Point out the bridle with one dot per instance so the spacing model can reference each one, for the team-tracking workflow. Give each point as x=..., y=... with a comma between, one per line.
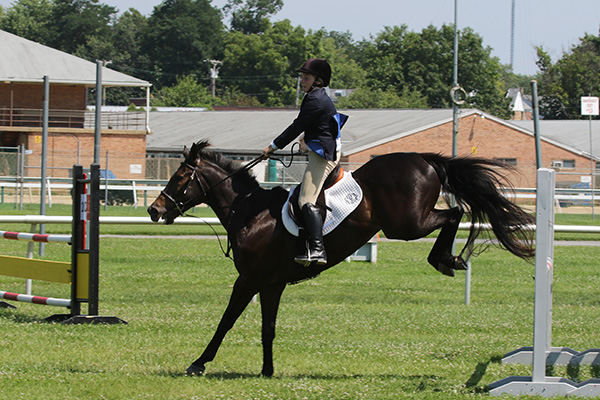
x=181, y=206
x=193, y=177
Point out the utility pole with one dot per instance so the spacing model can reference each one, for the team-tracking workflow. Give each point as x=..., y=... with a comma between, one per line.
x=104, y=64
x=455, y=86
x=512, y=36
x=214, y=74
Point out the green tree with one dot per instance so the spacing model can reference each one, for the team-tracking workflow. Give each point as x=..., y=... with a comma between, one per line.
x=180, y=36
x=127, y=35
x=231, y=96
x=127, y=56
x=74, y=23
x=28, y=18
x=265, y=65
x=252, y=16
x=186, y=92
x=574, y=75
x=423, y=62
x=345, y=71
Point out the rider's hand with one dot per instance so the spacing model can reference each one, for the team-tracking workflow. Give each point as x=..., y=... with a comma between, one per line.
x=303, y=146
x=267, y=152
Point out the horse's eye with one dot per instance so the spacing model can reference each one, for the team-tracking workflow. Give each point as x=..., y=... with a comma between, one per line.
x=177, y=178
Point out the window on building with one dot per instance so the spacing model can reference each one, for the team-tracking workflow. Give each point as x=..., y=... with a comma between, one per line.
x=563, y=164
x=507, y=161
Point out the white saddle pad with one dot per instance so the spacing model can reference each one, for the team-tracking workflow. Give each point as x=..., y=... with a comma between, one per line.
x=342, y=198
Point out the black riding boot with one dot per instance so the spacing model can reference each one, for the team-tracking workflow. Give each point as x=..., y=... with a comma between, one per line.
x=314, y=232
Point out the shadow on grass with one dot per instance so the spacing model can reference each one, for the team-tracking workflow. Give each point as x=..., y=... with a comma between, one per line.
x=420, y=381
x=9, y=315
x=479, y=373
x=210, y=375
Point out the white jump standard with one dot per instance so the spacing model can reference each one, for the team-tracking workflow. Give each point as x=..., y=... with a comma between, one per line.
x=542, y=352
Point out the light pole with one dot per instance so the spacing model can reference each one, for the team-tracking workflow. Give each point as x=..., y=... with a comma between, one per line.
x=214, y=74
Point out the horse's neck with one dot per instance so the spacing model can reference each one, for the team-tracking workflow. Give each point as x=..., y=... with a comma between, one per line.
x=222, y=199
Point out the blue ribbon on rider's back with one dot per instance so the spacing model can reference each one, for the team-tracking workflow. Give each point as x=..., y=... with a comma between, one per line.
x=315, y=145
x=341, y=120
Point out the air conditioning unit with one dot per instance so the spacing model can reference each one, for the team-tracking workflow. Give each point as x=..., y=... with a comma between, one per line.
x=557, y=164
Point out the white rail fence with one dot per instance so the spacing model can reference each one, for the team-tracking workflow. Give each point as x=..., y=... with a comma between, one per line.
x=563, y=197
x=49, y=219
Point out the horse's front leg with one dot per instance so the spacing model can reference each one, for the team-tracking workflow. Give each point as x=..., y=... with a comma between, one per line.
x=243, y=291
x=269, y=303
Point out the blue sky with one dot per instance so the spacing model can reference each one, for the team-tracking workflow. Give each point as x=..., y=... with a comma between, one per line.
x=554, y=24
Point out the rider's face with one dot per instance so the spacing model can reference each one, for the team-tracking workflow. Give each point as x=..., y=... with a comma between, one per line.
x=307, y=81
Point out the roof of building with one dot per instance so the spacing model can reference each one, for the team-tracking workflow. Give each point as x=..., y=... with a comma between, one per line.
x=572, y=133
x=25, y=61
x=251, y=131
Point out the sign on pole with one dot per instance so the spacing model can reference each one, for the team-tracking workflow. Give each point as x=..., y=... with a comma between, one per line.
x=590, y=105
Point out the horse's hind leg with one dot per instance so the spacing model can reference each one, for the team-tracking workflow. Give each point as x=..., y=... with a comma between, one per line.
x=242, y=293
x=441, y=254
x=269, y=302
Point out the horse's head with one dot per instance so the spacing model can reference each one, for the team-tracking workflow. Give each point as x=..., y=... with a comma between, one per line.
x=184, y=190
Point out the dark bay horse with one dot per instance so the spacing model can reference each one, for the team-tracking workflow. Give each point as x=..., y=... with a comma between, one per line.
x=400, y=194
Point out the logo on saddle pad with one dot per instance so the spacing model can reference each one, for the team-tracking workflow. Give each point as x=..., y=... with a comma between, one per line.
x=341, y=199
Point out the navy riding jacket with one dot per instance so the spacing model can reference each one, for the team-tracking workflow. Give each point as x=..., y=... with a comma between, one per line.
x=317, y=120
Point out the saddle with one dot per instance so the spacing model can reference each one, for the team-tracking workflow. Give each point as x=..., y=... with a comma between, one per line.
x=337, y=201
x=294, y=209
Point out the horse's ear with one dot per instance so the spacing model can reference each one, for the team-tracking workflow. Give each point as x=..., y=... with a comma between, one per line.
x=186, y=151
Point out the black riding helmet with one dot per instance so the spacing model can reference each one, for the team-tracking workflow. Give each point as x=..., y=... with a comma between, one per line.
x=319, y=68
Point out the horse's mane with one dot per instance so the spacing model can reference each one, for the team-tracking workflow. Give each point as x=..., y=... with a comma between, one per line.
x=199, y=151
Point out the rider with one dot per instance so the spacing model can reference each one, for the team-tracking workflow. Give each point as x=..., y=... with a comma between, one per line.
x=321, y=135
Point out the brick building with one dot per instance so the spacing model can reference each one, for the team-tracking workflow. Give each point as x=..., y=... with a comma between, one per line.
x=369, y=133
x=71, y=124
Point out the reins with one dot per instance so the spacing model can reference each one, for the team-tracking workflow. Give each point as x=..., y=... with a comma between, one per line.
x=180, y=205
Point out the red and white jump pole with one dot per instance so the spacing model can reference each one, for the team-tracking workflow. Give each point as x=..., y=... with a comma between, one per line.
x=47, y=301
x=36, y=237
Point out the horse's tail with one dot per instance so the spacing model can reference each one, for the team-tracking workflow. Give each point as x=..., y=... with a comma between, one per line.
x=475, y=184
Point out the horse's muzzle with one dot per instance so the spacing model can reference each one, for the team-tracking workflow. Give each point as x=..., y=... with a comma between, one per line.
x=154, y=213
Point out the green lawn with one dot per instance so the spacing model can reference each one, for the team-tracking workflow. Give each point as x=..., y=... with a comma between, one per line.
x=394, y=329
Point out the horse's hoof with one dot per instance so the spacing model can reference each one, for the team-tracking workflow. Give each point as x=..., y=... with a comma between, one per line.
x=460, y=264
x=194, y=370
x=267, y=373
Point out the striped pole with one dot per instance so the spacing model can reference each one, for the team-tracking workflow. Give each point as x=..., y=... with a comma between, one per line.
x=35, y=237
x=48, y=301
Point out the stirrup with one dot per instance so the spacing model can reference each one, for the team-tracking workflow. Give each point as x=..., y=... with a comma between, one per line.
x=306, y=260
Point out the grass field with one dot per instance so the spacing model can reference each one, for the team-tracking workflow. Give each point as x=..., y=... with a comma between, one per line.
x=394, y=329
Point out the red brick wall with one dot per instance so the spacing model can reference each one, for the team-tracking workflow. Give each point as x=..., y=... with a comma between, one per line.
x=73, y=146
x=486, y=138
x=65, y=150
x=31, y=95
